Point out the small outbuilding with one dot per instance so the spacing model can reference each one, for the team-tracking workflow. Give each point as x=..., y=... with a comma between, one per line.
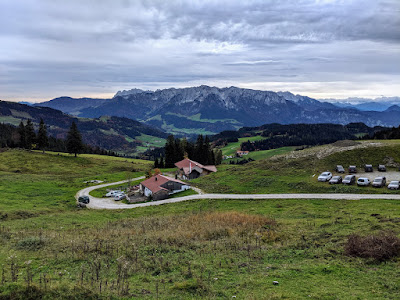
x=189, y=169
x=160, y=187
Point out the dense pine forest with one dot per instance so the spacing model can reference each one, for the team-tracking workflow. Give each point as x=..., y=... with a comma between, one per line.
x=24, y=136
x=177, y=149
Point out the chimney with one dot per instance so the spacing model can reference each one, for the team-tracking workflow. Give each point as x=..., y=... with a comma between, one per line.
x=156, y=178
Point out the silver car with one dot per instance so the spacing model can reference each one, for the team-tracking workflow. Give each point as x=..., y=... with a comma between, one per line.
x=394, y=185
x=379, y=181
x=363, y=181
x=349, y=179
x=336, y=180
x=325, y=176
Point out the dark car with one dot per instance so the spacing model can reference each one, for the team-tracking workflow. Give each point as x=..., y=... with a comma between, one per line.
x=368, y=168
x=336, y=180
x=352, y=169
x=382, y=168
x=84, y=199
x=349, y=179
x=379, y=182
x=339, y=169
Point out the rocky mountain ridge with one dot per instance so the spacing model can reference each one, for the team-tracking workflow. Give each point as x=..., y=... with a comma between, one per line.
x=209, y=110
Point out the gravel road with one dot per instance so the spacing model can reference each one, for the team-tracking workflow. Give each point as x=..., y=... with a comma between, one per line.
x=109, y=203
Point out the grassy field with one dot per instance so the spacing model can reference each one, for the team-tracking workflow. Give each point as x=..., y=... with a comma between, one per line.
x=263, y=154
x=283, y=174
x=49, y=249
x=231, y=148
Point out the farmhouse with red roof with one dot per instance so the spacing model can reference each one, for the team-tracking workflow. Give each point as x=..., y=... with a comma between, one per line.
x=189, y=169
x=160, y=187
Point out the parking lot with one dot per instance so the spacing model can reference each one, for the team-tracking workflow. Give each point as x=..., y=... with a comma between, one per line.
x=390, y=175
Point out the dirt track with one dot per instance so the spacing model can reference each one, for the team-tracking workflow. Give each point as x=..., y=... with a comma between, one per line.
x=107, y=203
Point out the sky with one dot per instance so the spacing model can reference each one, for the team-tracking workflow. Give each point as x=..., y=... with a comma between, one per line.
x=93, y=48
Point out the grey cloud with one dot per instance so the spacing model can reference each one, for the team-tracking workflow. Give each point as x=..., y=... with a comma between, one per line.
x=54, y=44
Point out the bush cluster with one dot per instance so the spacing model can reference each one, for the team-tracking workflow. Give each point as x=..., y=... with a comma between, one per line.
x=378, y=247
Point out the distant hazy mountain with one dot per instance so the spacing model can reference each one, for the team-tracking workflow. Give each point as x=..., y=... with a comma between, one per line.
x=366, y=104
x=210, y=110
x=112, y=133
x=72, y=106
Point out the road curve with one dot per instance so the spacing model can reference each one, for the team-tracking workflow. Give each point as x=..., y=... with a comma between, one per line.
x=109, y=203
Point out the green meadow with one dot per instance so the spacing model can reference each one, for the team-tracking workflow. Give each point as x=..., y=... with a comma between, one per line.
x=218, y=249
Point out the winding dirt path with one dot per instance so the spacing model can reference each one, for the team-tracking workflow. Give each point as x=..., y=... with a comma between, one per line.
x=109, y=203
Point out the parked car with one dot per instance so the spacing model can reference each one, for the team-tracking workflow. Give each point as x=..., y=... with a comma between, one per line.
x=336, y=180
x=382, y=168
x=394, y=185
x=113, y=193
x=84, y=199
x=379, y=181
x=368, y=168
x=352, y=169
x=325, y=176
x=363, y=181
x=349, y=179
x=339, y=169
x=119, y=197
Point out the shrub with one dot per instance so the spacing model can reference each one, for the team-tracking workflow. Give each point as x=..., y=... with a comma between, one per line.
x=378, y=247
x=191, y=286
x=30, y=243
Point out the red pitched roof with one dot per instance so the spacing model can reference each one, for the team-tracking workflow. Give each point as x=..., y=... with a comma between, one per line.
x=188, y=164
x=211, y=168
x=154, y=183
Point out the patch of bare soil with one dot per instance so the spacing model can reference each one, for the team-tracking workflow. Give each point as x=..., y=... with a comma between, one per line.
x=326, y=150
x=345, y=143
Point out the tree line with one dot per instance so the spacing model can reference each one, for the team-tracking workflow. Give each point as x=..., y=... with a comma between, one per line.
x=299, y=134
x=24, y=136
x=177, y=149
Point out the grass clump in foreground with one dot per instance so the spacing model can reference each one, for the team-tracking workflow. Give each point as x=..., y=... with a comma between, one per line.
x=379, y=247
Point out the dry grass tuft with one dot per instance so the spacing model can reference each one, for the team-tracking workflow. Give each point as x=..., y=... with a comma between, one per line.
x=378, y=247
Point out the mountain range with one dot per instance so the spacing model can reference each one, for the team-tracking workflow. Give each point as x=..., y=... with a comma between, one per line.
x=209, y=110
x=108, y=132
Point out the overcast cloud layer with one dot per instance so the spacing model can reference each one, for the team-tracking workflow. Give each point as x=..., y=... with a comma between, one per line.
x=323, y=49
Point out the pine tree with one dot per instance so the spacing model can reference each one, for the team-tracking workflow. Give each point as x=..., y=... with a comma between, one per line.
x=178, y=151
x=161, y=163
x=30, y=134
x=22, y=135
x=42, y=138
x=208, y=153
x=198, y=149
x=218, y=157
x=74, y=140
x=170, y=152
x=156, y=164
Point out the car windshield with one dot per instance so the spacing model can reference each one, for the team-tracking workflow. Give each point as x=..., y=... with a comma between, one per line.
x=394, y=182
x=348, y=177
x=361, y=180
x=336, y=177
x=378, y=180
x=325, y=174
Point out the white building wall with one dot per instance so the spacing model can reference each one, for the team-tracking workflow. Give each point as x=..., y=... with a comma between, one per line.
x=147, y=192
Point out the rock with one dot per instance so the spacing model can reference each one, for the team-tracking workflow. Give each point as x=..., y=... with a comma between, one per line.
x=275, y=282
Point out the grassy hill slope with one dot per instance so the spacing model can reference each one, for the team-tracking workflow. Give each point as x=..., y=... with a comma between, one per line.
x=111, y=133
x=196, y=249
x=297, y=171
